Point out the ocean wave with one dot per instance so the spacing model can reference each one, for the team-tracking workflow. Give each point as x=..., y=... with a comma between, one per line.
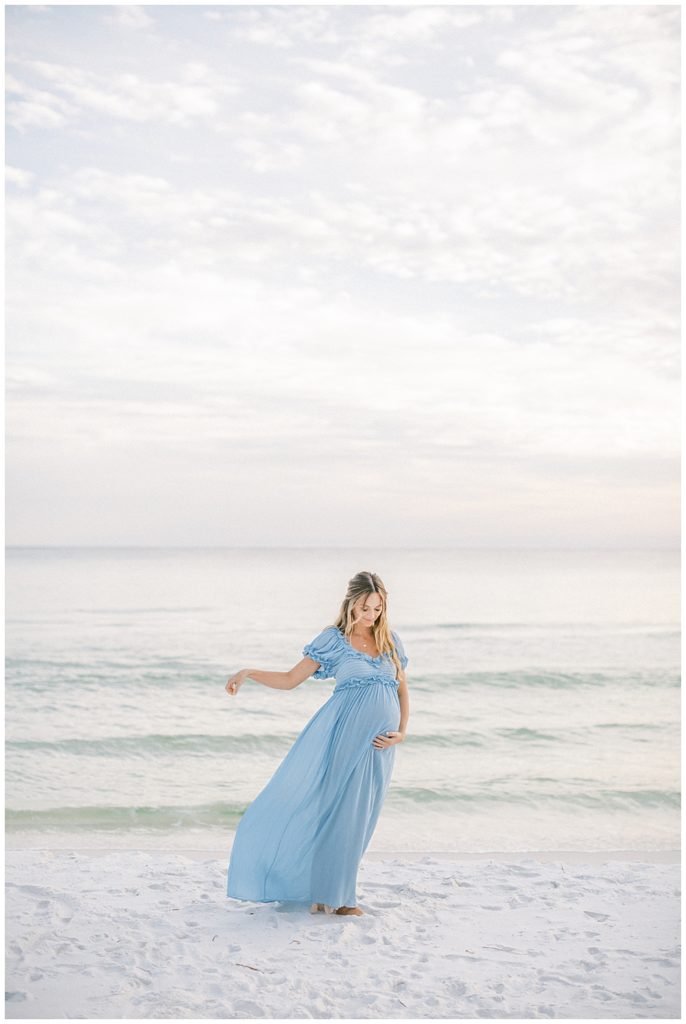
x=222, y=814
x=43, y=676
x=116, y=818
x=116, y=746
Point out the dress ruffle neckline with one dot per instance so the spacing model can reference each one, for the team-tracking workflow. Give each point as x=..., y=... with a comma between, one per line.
x=375, y=661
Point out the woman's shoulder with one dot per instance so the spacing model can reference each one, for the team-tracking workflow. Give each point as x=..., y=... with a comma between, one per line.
x=329, y=638
x=326, y=649
x=330, y=633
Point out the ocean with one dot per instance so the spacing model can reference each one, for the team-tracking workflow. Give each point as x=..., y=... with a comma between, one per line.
x=544, y=694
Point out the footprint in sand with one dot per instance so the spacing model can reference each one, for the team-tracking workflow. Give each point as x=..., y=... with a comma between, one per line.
x=456, y=988
x=247, y=1009
x=15, y=997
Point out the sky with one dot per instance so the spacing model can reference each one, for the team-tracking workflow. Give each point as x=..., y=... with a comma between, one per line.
x=342, y=276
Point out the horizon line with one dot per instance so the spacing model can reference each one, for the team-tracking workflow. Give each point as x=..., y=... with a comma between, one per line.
x=348, y=547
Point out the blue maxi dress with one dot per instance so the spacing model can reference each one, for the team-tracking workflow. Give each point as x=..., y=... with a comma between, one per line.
x=303, y=836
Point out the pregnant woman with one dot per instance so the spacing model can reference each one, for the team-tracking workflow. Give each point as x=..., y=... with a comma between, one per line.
x=303, y=836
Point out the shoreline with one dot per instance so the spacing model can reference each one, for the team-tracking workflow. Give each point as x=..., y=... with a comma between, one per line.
x=501, y=857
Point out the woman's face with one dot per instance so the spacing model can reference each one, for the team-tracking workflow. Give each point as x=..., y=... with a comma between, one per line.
x=366, y=610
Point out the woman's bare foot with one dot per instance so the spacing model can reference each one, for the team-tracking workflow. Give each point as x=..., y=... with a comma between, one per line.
x=350, y=910
x=322, y=906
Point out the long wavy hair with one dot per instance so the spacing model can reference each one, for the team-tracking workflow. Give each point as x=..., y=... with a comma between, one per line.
x=362, y=585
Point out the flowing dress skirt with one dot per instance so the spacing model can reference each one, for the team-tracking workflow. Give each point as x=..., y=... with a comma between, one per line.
x=303, y=836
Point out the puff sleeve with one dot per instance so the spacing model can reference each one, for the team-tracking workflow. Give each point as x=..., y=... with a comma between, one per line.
x=399, y=649
x=325, y=648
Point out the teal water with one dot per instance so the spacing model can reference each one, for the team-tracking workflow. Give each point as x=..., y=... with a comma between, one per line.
x=544, y=689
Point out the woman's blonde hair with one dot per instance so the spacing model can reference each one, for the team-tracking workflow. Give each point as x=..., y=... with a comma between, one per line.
x=362, y=585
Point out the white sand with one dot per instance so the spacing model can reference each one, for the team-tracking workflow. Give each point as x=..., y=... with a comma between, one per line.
x=129, y=934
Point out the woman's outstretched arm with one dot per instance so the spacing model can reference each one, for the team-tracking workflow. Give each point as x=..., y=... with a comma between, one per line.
x=277, y=680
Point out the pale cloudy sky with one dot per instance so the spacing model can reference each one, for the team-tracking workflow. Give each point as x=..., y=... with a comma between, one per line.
x=333, y=275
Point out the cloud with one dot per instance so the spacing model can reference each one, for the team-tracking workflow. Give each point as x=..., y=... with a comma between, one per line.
x=130, y=16
x=19, y=177
x=30, y=107
x=492, y=245
x=536, y=387
x=283, y=27
x=436, y=244
x=75, y=93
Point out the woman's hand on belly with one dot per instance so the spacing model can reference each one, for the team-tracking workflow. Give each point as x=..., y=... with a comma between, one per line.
x=387, y=739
